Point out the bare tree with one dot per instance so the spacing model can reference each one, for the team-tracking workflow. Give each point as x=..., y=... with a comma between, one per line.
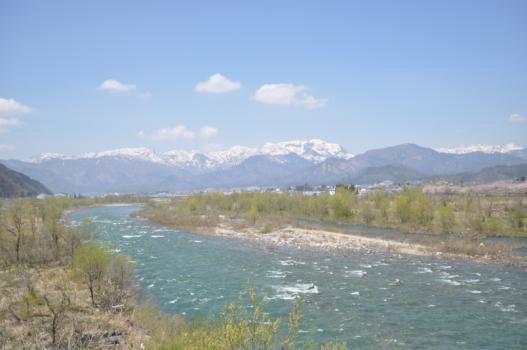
x=14, y=224
x=57, y=310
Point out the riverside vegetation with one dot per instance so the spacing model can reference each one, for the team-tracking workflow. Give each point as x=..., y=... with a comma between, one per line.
x=62, y=289
x=449, y=223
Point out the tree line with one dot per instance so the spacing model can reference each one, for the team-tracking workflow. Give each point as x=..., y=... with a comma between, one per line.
x=411, y=209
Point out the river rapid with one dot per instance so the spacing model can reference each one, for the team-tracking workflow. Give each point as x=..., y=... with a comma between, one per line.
x=438, y=304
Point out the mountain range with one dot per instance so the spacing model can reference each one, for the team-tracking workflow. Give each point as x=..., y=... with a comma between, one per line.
x=274, y=164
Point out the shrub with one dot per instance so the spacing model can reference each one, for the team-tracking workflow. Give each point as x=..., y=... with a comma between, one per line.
x=91, y=262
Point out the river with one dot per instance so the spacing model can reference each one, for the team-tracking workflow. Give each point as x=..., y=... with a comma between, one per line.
x=439, y=304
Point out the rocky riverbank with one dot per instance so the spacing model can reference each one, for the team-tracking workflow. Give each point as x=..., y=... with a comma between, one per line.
x=327, y=240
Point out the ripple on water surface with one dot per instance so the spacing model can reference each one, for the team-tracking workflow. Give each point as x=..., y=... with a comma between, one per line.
x=353, y=297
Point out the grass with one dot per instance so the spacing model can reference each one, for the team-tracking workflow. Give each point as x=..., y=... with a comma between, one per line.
x=26, y=316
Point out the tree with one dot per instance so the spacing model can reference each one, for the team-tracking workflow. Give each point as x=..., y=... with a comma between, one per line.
x=52, y=214
x=122, y=275
x=346, y=187
x=252, y=214
x=57, y=309
x=421, y=208
x=402, y=207
x=445, y=215
x=517, y=216
x=338, y=206
x=91, y=262
x=14, y=224
x=366, y=213
x=82, y=233
x=382, y=203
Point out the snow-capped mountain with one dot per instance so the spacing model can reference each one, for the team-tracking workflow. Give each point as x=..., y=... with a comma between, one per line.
x=232, y=156
x=489, y=149
x=122, y=153
x=144, y=170
x=274, y=164
x=312, y=150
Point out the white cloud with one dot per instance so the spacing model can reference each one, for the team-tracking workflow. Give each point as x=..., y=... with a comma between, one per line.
x=177, y=132
x=287, y=95
x=517, y=118
x=310, y=102
x=6, y=123
x=116, y=86
x=216, y=84
x=208, y=132
x=278, y=94
x=9, y=122
x=6, y=147
x=9, y=107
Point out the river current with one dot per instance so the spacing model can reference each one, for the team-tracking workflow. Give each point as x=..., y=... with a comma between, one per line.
x=353, y=297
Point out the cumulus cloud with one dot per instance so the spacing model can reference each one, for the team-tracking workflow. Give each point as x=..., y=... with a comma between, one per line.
x=287, y=95
x=517, y=118
x=216, y=84
x=9, y=122
x=6, y=147
x=9, y=107
x=208, y=132
x=178, y=132
x=113, y=85
x=6, y=123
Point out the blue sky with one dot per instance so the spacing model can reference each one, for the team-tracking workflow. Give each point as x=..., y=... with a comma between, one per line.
x=363, y=74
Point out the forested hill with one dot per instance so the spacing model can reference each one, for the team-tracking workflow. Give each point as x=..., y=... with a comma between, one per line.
x=15, y=184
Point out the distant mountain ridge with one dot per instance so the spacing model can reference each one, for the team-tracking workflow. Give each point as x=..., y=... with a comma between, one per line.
x=495, y=173
x=15, y=184
x=314, y=150
x=507, y=148
x=274, y=164
x=424, y=160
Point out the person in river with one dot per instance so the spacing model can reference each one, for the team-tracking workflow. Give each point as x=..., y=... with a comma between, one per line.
x=311, y=287
x=397, y=282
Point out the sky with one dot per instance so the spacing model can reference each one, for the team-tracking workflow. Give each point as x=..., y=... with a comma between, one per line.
x=79, y=76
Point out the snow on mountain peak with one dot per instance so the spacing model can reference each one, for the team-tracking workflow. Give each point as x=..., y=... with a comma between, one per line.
x=314, y=150
x=131, y=153
x=233, y=155
x=142, y=153
x=481, y=148
x=180, y=155
x=43, y=157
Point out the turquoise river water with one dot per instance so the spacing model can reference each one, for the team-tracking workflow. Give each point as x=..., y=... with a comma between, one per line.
x=439, y=304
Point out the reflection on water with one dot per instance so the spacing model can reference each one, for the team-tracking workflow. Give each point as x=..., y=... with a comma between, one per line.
x=371, y=300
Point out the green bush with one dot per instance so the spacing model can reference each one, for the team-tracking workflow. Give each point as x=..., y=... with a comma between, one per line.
x=242, y=325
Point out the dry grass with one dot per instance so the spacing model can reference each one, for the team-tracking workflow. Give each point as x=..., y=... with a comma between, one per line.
x=26, y=318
